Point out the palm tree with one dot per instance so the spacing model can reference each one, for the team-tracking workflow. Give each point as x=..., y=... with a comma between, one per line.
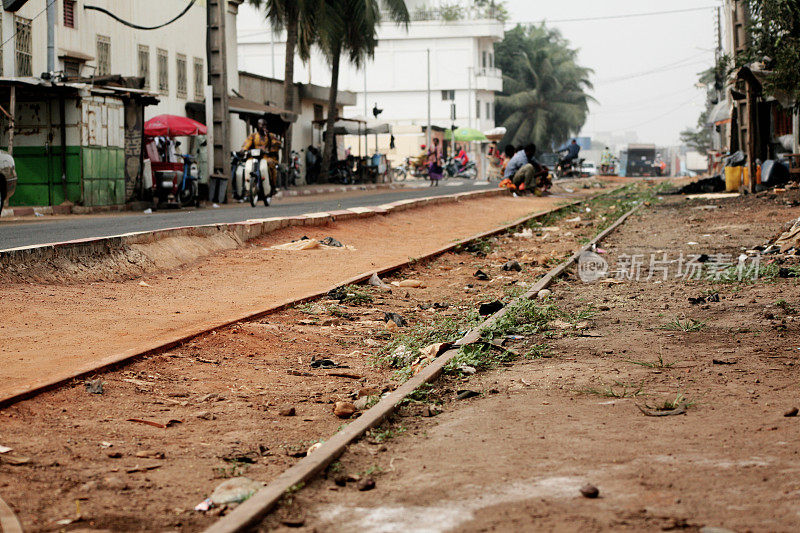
x=298, y=18
x=350, y=26
x=545, y=100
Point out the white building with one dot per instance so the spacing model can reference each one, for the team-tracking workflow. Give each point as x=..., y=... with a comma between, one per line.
x=460, y=43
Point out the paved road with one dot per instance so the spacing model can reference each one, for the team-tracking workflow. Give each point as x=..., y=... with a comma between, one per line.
x=43, y=231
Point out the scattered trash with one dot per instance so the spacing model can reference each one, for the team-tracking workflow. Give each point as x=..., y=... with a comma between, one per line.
x=314, y=447
x=293, y=521
x=344, y=409
x=94, y=386
x=376, y=281
x=148, y=211
x=396, y=318
x=466, y=369
x=791, y=412
x=611, y=281
x=590, y=491
x=14, y=459
x=407, y=283
x=723, y=362
x=527, y=233
x=544, y=294
x=323, y=363
x=144, y=284
x=302, y=244
x=710, y=298
x=560, y=324
x=490, y=308
x=234, y=490
x=679, y=410
x=466, y=393
x=365, y=484
x=215, y=206
x=573, y=220
x=205, y=505
x=512, y=265
x=481, y=275
x=330, y=241
x=147, y=422
x=287, y=410
x=5, y=449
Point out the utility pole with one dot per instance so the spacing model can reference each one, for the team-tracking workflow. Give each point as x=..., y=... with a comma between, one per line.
x=428, y=136
x=469, y=97
x=218, y=79
x=366, y=111
x=51, y=36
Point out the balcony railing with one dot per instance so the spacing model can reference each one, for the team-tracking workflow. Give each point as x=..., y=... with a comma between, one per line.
x=454, y=12
x=489, y=72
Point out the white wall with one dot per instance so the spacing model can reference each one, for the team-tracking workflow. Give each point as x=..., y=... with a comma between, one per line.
x=185, y=36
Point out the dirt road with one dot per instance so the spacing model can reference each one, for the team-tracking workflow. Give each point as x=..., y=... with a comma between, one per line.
x=49, y=331
x=515, y=458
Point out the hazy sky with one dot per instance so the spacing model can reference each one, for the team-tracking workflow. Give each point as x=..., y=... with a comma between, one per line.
x=676, y=46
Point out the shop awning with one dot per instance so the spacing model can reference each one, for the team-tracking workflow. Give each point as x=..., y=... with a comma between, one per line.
x=251, y=109
x=719, y=114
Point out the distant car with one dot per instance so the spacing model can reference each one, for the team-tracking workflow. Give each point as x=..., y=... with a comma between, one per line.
x=8, y=178
x=588, y=169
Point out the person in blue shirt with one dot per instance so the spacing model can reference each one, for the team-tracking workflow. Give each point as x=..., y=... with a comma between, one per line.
x=526, y=173
x=572, y=151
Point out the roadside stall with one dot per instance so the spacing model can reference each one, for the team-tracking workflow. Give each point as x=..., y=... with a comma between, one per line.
x=169, y=176
x=349, y=168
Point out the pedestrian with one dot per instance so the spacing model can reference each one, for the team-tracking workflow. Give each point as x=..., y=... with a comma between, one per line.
x=508, y=153
x=311, y=160
x=435, y=163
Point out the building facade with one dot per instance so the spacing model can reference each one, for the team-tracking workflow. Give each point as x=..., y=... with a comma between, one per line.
x=457, y=42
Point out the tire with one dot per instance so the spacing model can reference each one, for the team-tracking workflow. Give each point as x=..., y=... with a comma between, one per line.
x=253, y=190
x=188, y=195
x=399, y=174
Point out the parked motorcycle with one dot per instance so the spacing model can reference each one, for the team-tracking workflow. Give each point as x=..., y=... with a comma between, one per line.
x=257, y=173
x=239, y=184
x=454, y=169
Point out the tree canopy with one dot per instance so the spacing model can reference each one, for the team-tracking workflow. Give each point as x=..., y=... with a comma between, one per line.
x=545, y=99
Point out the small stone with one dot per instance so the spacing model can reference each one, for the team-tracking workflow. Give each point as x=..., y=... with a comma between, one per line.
x=205, y=415
x=512, y=265
x=340, y=480
x=344, y=409
x=590, y=491
x=114, y=455
x=543, y=294
x=366, y=483
x=88, y=486
x=114, y=483
x=287, y=410
x=791, y=412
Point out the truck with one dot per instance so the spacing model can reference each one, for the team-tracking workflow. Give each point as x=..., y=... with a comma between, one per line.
x=638, y=160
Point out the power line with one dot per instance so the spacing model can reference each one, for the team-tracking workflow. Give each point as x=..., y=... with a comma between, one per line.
x=625, y=16
x=34, y=18
x=654, y=71
x=658, y=117
x=137, y=26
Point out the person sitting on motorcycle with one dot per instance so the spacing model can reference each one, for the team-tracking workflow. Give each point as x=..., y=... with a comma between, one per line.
x=462, y=157
x=572, y=152
x=269, y=145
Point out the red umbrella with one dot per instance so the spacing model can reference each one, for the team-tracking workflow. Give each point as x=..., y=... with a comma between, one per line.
x=172, y=126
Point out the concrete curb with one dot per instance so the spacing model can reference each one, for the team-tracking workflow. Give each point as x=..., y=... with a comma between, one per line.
x=249, y=229
x=249, y=514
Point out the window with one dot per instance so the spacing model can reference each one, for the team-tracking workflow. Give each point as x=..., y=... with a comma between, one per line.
x=144, y=64
x=24, y=56
x=163, y=71
x=199, y=79
x=488, y=110
x=103, y=55
x=318, y=112
x=69, y=13
x=477, y=109
x=72, y=68
x=485, y=59
x=180, y=65
x=448, y=95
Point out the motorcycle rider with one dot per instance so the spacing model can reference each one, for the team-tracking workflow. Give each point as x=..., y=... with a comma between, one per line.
x=572, y=152
x=270, y=145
